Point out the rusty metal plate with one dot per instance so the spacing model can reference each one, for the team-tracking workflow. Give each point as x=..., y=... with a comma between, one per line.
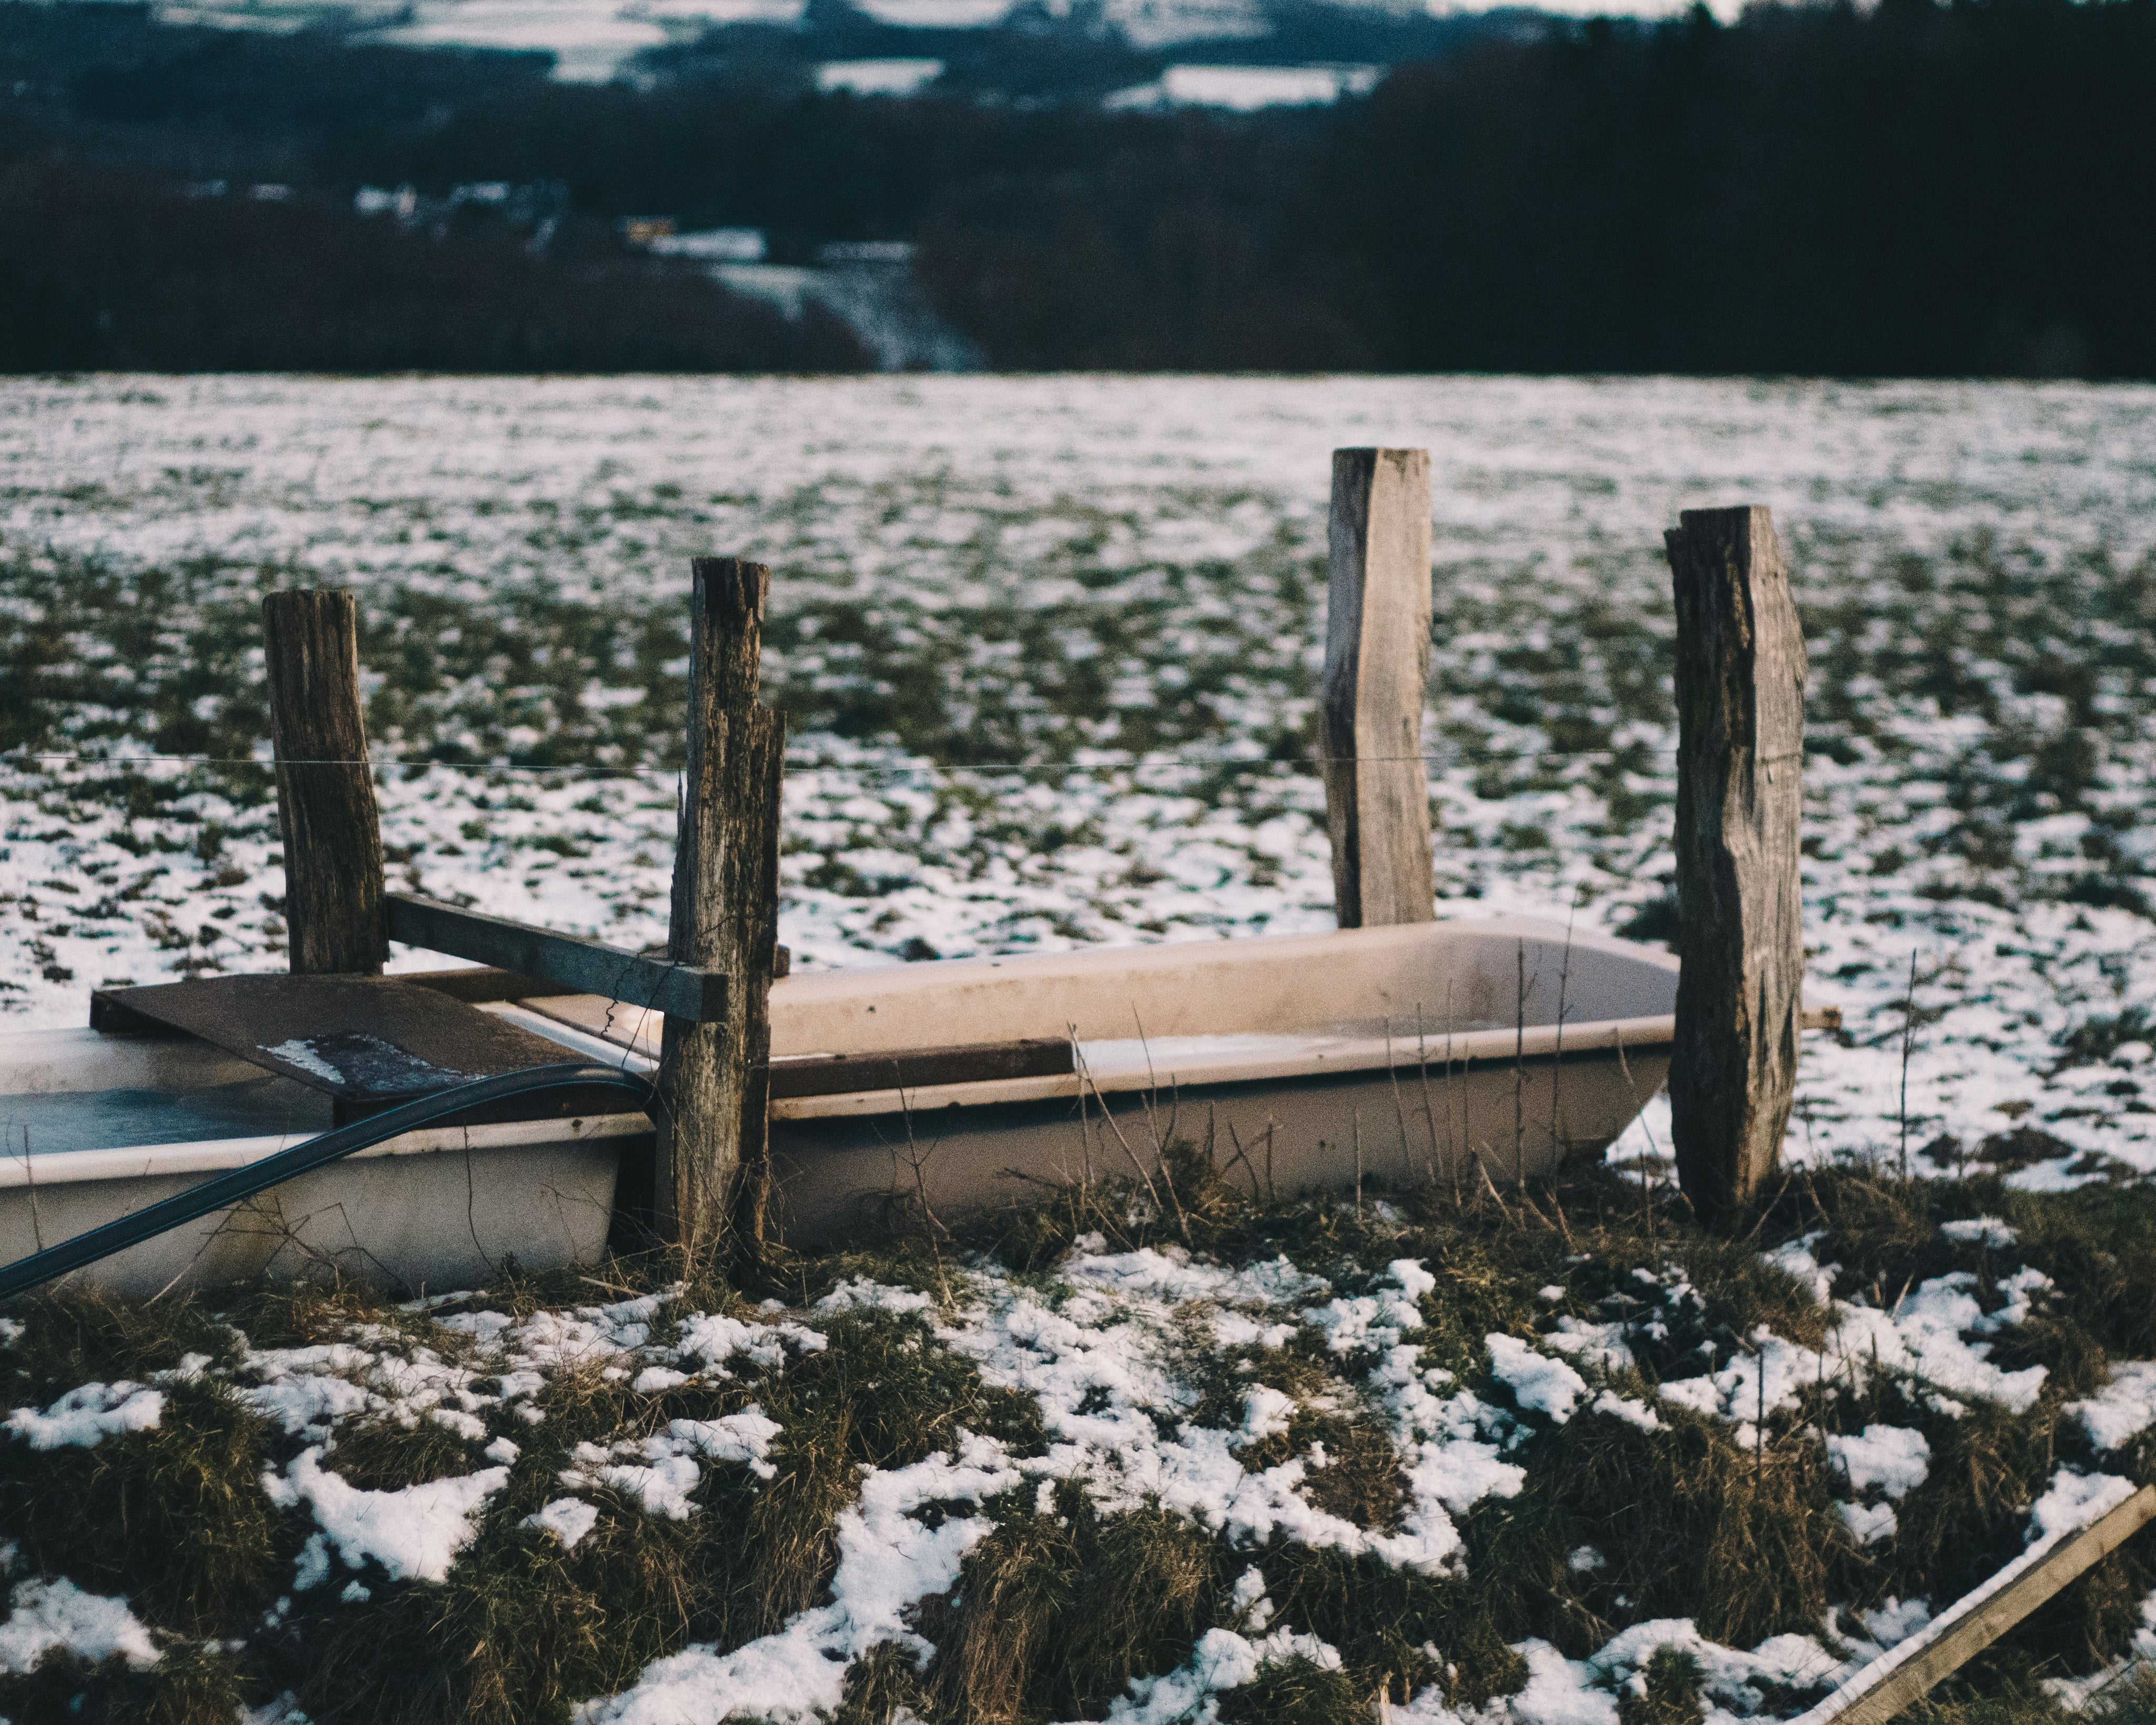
x=370, y=1042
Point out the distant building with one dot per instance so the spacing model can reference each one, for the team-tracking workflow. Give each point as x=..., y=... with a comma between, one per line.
x=713, y=245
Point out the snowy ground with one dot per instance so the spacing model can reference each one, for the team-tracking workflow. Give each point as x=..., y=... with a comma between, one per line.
x=1049, y=647
x=1152, y=1379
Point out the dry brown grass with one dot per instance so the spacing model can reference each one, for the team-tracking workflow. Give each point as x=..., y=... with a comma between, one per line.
x=1060, y=1608
x=1055, y=1613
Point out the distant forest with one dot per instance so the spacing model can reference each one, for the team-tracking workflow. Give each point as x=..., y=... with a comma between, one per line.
x=1913, y=188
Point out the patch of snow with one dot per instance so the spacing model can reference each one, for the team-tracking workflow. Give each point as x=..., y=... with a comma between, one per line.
x=661, y=1482
x=1796, y=1258
x=1894, y=1622
x=1623, y=1407
x=1894, y=1458
x=297, y=1051
x=746, y=1436
x=1375, y=1321
x=89, y=1416
x=717, y=1339
x=311, y=1567
x=414, y=1533
x=1731, y=1681
x=1601, y=1345
x=1222, y=1660
x=1980, y=1230
x=1539, y=1384
x=2124, y=1408
x=2072, y=1501
x=49, y=1616
x=1267, y=1413
x=568, y=1519
x=861, y=1292
x=1870, y=1523
x=1560, y=1690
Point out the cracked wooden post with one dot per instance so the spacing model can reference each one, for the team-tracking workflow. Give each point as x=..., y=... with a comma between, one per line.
x=325, y=808
x=1740, y=689
x=714, y=1079
x=1377, y=666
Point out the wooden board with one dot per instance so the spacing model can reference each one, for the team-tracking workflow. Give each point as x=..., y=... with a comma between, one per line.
x=574, y=965
x=368, y=1042
x=920, y=1068
x=1903, y=1675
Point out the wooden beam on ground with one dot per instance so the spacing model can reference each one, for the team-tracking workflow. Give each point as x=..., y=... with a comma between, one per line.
x=714, y=1077
x=1377, y=666
x=325, y=809
x=573, y=966
x=1740, y=689
x=1904, y=1675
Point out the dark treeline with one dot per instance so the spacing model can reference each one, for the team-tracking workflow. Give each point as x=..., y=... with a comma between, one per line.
x=1913, y=188
x=103, y=272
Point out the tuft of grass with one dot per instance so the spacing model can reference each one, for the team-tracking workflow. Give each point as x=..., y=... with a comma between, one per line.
x=173, y=1517
x=2094, y=1039
x=90, y=1336
x=521, y=1630
x=191, y=1684
x=1380, y=1618
x=1297, y=1691
x=381, y=1454
x=1055, y=1614
x=1667, y=1691
x=1749, y=1545
x=1362, y=1481
x=883, y=1688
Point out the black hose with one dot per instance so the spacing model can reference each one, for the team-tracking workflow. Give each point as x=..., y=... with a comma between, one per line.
x=243, y=1183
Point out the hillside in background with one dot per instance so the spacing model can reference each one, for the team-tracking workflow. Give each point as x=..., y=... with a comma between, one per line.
x=1914, y=189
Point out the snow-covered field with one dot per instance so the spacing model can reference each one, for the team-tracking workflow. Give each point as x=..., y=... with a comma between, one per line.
x=1049, y=648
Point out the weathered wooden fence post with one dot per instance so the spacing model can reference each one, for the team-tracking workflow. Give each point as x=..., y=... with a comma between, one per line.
x=1740, y=684
x=325, y=809
x=1377, y=666
x=714, y=1079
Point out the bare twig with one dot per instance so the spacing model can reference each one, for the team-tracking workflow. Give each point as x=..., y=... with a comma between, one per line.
x=1908, y=1038
x=1520, y=1064
x=1086, y=1077
x=1490, y=1188
x=1399, y=1107
x=1557, y=1065
x=1243, y=1155
x=30, y=1185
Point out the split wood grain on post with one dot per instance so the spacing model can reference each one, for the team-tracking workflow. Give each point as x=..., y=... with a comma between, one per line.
x=713, y=1177
x=1377, y=667
x=1740, y=681
x=325, y=807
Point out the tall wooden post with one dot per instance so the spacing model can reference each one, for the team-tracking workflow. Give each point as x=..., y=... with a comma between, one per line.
x=1377, y=666
x=1740, y=687
x=714, y=1079
x=325, y=808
